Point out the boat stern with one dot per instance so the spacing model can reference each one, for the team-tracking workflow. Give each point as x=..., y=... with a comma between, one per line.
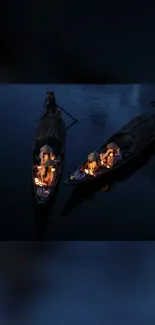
x=43, y=194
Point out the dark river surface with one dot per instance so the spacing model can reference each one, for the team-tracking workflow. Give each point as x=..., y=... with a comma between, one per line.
x=127, y=211
x=77, y=282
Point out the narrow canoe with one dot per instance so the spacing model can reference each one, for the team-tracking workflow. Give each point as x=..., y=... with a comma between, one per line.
x=132, y=139
x=51, y=132
x=88, y=191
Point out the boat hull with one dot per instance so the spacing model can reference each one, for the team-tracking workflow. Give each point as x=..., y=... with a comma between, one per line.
x=139, y=133
x=50, y=127
x=88, y=190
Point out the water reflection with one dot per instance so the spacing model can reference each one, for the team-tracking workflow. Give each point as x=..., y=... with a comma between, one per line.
x=42, y=213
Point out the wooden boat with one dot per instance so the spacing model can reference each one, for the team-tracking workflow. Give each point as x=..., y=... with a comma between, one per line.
x=132, y=139
x=51, y=132
x=82, y=193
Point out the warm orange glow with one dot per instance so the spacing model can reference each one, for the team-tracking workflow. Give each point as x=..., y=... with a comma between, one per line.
x=52, y=157
x=91, y=168
x=49, y=178
x=40, y=183
x=90, y=172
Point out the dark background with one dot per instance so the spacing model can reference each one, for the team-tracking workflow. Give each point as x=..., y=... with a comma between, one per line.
x=101, y=42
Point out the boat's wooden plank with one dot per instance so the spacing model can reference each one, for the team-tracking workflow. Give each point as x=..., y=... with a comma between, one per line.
x=51, y=126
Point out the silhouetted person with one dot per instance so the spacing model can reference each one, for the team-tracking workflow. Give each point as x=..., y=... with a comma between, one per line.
x=50, y=98
x=51, y=105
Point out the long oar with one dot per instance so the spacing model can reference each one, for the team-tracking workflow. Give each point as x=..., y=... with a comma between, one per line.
x=73, y=118
x=62, y=109
x=69, y=126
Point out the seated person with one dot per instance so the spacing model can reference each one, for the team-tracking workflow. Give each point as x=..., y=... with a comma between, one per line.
x=49, y=176
x=46, y=157
x=93, y=166
x=43, y=157
x=93, y=162
x=115, y=150
x=41, y=174
x=104, y=156
x=110, y=160
x=113, y=158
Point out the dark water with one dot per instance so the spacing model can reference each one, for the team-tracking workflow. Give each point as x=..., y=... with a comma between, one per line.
x=126, y=210
x=66, y=283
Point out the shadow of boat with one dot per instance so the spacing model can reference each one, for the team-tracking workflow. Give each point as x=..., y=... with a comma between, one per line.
x=42, y=213
x=88, y=191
